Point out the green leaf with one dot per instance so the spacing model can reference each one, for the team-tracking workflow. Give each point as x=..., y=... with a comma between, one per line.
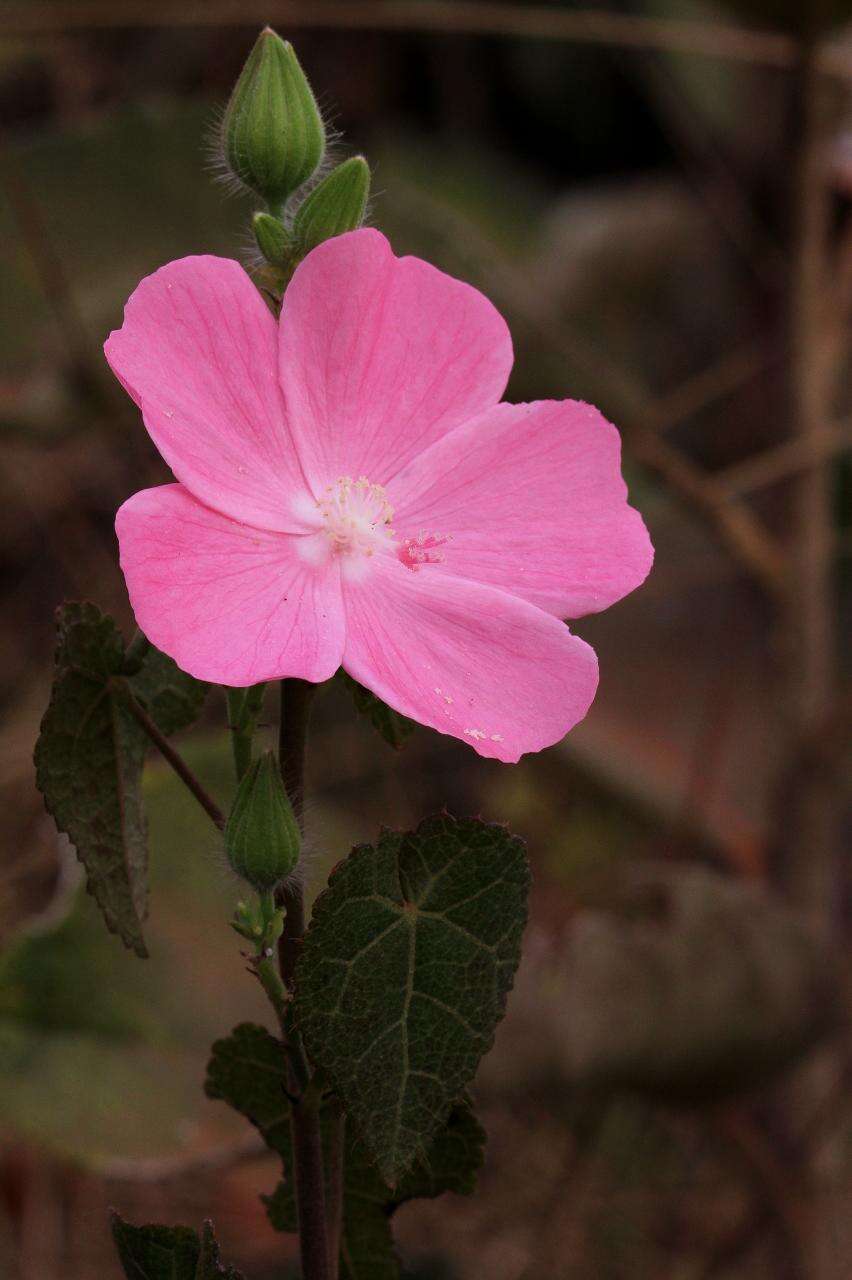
x=394, y=728
x=155, y=1253
x=90, y=754
x=172, y=698
x=168, y=1253
x=247, y=1070
x=209, y=1267
x=404, y=972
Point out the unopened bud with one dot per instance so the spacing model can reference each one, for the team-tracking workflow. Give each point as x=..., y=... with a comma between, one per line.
x=273, y=134
x=272, y=239
x=336, y=205
x=262, y=838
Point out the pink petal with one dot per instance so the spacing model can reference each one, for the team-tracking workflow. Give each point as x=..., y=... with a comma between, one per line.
x=532, y=499
x=382, y=355
x=466, y=659
x=198, y=353
x=230, y=603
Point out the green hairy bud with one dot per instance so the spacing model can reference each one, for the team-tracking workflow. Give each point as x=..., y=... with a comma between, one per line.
x=273, y=134
x=336, y=205
x=262, y=838
x=272, y=239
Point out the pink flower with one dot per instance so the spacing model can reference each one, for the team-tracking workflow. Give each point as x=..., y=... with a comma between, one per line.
x=351, y=492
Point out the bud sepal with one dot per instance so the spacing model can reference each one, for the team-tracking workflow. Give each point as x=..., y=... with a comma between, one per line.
x=272, y=239
x=336, y=205
x=262, y=837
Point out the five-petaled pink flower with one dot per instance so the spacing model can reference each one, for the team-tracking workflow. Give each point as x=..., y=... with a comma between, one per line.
x=350, y=492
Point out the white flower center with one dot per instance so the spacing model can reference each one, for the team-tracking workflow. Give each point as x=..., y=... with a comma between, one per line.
x=356, y=517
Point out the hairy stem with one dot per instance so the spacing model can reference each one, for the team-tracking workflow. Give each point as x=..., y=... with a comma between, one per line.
x=176, y=761
x=270, y=979
x=296, y=698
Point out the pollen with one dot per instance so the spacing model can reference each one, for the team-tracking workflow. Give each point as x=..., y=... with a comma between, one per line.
x=357, y=517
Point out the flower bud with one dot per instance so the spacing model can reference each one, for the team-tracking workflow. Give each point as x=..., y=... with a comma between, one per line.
x=272, y=239
x=336, y=205
x=262, y=838
x=273, y=134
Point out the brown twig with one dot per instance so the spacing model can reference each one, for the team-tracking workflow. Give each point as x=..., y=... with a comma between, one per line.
x=721, y=378
x=783, y=461
x=776, y=1187
x=50, y=269
x=533, y=22
x=811, y=389
x=181, y=768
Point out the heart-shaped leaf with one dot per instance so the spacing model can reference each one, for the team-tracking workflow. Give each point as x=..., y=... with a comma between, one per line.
x=404, y=973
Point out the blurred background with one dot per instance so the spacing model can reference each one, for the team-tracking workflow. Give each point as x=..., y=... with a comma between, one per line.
x=657, y=196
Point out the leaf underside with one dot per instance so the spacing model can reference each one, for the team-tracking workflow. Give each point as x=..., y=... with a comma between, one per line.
x=90, y=754
x=247, y=1070
x=404, y=973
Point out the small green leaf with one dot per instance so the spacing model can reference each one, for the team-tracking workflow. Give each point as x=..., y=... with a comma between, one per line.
x=336, y=205
x=272, y=238
x=90, y=754
x=404, y=973
x=394, y=728
x=247, y=1070
x=172, y=698
x=153, y=1252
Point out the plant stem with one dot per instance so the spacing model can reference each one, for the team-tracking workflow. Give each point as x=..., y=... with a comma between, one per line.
x=244, y=707
x=310, y=1188
x=334, y=1183
x=168, y=752
x=296, y=698
x=270, y=979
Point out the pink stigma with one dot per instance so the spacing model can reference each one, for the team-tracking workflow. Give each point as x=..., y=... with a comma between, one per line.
x=415, y=552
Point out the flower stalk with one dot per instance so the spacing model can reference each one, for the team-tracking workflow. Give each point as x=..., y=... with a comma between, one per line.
x=296, y=699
